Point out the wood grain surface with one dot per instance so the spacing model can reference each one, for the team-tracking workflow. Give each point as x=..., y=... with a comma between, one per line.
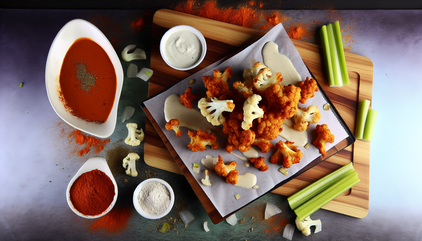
x=226, y=39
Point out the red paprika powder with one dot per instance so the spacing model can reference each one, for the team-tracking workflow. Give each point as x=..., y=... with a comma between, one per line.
x=92, y=192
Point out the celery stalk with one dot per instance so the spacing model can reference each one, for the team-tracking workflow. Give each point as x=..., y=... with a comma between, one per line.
x=318, y=186
x=327, y=54
x=363, y=108
x=335, y=190
x=369, y=125
x=340, y=51
x=333, y=52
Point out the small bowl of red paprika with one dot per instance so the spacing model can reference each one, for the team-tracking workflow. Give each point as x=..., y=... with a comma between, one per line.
x=92, y=192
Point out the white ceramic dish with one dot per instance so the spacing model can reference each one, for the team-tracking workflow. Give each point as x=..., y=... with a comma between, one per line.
x=138, y=206
x=93, y=163
x=64, y=39
x=180, y=28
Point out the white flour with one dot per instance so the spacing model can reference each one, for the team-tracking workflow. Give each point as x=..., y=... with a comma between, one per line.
x=154, y=198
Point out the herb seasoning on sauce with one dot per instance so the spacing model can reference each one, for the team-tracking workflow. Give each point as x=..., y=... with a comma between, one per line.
x=88, y=81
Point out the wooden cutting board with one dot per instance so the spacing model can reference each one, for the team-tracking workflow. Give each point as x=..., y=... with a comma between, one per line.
x=225, y=39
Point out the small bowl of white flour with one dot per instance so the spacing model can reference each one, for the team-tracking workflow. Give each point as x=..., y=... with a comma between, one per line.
x=153, y=198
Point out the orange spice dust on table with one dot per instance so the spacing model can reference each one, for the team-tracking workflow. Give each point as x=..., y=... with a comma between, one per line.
x=113, y=222
x=88, y=141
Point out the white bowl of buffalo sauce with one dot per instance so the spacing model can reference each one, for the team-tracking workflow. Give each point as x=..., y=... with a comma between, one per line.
x=183, y=47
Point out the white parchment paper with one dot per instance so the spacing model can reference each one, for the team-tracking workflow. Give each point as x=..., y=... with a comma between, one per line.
x=221, y=193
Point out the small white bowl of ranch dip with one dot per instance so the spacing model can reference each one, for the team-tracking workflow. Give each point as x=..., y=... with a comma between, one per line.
x=183, y=47
x=153, y=198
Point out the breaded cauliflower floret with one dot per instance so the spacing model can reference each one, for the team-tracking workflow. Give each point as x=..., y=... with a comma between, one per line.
x=213, y=109
x=187, y=97
x=324, y=136
x=237, y=137
x=265, y=79
x=217, y=84
x=284, y=99
x=270, y=125
x=263, y=144
x=242, y=89
x=259, y=163
x=251, y=111
x=305, y=116
x=290, y=154
x=173, y=124
x=224, y=169
x=199, y=139
x=232, y=177
x=308, y=87
x=250, y=74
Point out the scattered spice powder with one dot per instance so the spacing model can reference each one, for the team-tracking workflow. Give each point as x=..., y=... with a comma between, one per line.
x=137, y=24
x=113, y=222
x=88, y=141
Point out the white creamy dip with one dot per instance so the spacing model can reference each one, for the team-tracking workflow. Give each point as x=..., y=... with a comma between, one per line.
x=183, y=48
x=299, y=138
x=278, y=62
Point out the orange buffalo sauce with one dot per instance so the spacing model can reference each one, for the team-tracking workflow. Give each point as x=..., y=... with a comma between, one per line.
x=88, y=81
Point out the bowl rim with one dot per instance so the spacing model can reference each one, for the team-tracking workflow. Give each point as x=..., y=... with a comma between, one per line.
x=192, y=30
x=93, y=163
x=67, y=35
x=138, y=207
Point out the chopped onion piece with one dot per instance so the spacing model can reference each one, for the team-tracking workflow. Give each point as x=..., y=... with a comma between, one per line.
x=288, y=231
x=132, y=70
x=137, y=54
x=196, y=168
x=326, y=106
x=307, y=146
x=127, y=113
x=271, y=210
x=232, y=220
x=247, y=164
x=237, y=196
x=255, y=187
x=284, y=171
x=186, y=216
x=145, y=74
x=206, y=226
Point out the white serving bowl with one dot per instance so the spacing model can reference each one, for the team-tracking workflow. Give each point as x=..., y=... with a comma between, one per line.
x=70, y=32
x=193, y=30
x=93, y=163
x=138, y=206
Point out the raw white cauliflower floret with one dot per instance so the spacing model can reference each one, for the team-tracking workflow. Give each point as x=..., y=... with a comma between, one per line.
x=134, y=136
x=251, y=111
x=129, y=164
x=213, y=109
x=265, y=78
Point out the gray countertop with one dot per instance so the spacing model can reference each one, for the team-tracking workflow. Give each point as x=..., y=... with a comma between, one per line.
x=38, y=158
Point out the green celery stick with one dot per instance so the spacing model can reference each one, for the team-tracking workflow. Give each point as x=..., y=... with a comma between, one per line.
x=363, y=108
x=318, y=186
x=335, y=190
x=334, y=56
x=327, y=54
x=369, y=125
x=340, y=52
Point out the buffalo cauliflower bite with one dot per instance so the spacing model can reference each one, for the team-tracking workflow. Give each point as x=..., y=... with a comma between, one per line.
x=251, y=111
x=213, y=109
x=237, y=137
x=134, y=136
x=223, y=169
x=242, y=89
x=308, y=87
x=269, y=126
x=250, y=74
x=232, y=177
x=187, y=97
x=287, y=154
x=217, y=84
x=264, y=79
x=324, y=136
x=305, y=116
x=130, y=165
x=259, y=163
x=283, y=99
x=199, y=139
x=263, y=144
x=173, y=124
